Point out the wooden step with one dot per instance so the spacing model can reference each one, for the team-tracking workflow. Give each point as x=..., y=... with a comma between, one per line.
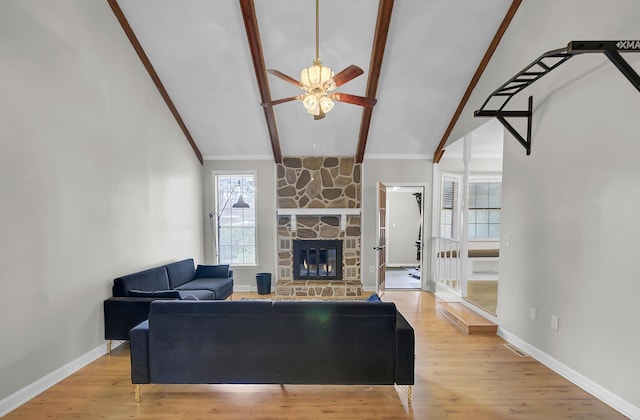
x=466, y=320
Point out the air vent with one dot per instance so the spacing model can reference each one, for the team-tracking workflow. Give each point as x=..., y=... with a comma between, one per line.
x=516, y=350
x=285, y=244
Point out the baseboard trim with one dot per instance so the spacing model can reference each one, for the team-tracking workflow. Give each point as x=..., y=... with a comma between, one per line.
x=604, y=395
x=243, y=288
x=32, y=390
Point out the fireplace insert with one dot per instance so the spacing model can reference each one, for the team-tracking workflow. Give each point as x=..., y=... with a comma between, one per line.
x=317, y=259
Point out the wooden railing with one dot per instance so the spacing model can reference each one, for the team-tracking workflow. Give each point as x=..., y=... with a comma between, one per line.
x=446, y=264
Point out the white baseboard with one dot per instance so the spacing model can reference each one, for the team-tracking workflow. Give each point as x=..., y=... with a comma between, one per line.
x=243, y=288
x=30, y=391
x=604, y=395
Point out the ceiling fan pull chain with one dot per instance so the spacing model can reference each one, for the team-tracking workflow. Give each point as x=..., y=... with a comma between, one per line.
x=318, y=31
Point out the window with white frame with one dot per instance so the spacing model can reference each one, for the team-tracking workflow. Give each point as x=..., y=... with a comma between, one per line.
x=235, y=204
x=484, y=209
x=449, y=208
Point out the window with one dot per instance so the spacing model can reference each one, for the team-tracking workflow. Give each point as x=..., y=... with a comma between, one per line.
x=235, y=203
x=484, y=209
x=448, y=212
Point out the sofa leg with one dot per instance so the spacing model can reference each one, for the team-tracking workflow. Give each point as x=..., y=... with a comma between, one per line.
x=137, y=391
x=109, y=346
x=409, y=390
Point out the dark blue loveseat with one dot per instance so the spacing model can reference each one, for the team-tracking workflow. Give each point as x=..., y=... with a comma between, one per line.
x=180, y=280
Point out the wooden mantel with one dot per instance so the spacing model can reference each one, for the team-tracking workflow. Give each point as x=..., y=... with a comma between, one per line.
x=343, y=213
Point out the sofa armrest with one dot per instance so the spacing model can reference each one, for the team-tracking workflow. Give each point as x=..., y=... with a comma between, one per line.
x=405, y=351
x=123, y=313
x=139, y=339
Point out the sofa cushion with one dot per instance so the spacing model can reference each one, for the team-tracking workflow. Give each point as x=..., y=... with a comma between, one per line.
x=214, y=285
x=158, y=294
x=149, y=280
x=180, y=272
x=174, y=294
x=212, y=271
x=196, y=294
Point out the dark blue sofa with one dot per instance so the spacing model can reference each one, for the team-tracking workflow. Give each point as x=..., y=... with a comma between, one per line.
x=279, y=342
x=133, y=293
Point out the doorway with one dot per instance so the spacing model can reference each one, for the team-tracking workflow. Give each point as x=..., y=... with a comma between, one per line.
x=467, y=210
x=404, y=244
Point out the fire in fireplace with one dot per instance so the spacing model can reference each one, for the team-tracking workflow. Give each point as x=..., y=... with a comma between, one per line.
x=317, y=259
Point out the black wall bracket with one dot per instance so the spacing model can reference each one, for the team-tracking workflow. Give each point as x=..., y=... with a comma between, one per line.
x=502, y=116
x=547, y=62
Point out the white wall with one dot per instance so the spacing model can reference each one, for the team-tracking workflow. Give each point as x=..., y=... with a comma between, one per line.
x=96, y=181
x=244, y=278
x=570, y=210
x=408, y=172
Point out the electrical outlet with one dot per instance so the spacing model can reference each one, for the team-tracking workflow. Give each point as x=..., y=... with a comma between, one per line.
x=372, y=268
x=532, y=313
x=554, y=322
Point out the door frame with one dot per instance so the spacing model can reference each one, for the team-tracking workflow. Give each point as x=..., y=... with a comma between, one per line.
x=425, y=228
x=381, y=236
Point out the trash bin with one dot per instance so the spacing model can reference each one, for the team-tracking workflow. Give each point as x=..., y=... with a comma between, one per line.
x=264, y=283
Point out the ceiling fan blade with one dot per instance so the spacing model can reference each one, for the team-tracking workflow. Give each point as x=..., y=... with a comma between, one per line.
x=279, y=101
x=347, y=74
x=354, y=99
x=284, y=77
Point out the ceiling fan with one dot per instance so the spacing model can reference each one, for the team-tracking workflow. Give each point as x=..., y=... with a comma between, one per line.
x=318, y=84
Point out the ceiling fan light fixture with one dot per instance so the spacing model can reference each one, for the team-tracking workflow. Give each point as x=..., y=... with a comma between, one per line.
x=316, y=103
x=311, y=104
x=318, y=83
x=317, y=77
x=326, y=104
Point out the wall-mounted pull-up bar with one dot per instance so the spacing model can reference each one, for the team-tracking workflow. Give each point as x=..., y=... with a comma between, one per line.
x=548, y=61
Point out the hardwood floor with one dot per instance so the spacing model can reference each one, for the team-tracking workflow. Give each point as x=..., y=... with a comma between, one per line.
x=457, y=377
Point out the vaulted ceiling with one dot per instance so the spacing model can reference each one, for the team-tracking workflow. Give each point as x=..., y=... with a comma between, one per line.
x=208, y=59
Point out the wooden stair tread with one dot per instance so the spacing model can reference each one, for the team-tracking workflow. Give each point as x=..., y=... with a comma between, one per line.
x=468, y=321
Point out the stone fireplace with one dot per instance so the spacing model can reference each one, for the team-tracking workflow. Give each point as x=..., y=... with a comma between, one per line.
x=318, y=200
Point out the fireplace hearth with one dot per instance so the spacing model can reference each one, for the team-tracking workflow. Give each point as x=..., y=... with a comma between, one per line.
x=317, y=259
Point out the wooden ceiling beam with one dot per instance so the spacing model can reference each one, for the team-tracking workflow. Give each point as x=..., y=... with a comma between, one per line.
x=255, y=46
x=439, y=152
x=385, y=7
x=117, y=11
